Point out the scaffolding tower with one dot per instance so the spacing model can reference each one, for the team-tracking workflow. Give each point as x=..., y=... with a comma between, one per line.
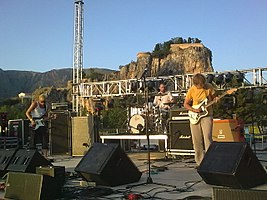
x=77, y=55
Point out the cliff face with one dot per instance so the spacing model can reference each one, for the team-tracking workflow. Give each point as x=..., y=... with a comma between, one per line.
x=183, y=58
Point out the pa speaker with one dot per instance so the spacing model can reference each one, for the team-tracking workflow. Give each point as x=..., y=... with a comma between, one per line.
x=61, y=133
x=180, y=135
x=106, y=164
x=232, y=164
x=27, y=161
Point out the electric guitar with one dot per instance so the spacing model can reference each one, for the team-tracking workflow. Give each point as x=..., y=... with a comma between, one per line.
x=194, y=117
x=41, y=122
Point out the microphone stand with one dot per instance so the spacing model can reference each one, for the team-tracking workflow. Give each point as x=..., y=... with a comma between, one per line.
x=149, y=178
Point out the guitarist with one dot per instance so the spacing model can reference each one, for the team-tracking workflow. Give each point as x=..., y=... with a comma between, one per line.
x=201, y=131
x=38, y=135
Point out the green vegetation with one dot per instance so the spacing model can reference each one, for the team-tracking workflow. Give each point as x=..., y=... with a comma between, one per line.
x=161, y=50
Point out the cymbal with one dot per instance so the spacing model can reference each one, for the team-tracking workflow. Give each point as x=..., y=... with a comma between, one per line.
x=169, y=103
x=162, y=94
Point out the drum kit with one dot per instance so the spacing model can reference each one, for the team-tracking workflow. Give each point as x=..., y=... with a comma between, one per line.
x=150, y=117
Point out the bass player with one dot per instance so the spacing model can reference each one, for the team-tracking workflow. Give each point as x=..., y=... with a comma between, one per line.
x=37, y=114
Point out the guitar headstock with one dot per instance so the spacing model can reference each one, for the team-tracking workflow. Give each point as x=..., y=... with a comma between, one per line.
x=231, y=91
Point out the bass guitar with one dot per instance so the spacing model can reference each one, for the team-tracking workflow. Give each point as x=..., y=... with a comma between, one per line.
x=194, y=117
x=41, y=122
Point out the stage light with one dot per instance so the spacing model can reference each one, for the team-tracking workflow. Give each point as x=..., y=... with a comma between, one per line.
x=134, y=86
x=239, y=77
x=228, y=77
x=229, y=102
x=210, y=78
x=264, y=98
x=219, y=80
x=150, y=85
x=249, y=97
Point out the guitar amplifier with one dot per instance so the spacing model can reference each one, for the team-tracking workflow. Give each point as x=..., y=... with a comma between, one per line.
x=180, y=135
x=178, y=114
x=228, y=130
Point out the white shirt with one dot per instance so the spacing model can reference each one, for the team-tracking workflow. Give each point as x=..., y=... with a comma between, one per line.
x=160, y=100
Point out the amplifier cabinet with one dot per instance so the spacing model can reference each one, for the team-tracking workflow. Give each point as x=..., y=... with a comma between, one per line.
x=180, y=135
x=228, y=130
x=19, y=128
x=82, y=134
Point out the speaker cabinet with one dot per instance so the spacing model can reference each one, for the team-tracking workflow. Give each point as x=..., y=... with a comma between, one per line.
x=82, y=135
x=180, y=135
x=6, y=156
x=60, y=133
x=23, y=186
x=228, y=130
x=31, y=186
x=19, y=128
x=219, y=193
x=232, y=164
x=106, y=164
x=27, y=161
x=53, y=181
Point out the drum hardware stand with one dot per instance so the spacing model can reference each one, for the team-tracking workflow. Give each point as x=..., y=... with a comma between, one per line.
x=149, y=178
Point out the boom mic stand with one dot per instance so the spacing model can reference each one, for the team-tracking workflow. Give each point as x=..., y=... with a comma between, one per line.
x=149, y=178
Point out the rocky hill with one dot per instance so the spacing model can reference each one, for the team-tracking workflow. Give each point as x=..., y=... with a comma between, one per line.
x=183, y=58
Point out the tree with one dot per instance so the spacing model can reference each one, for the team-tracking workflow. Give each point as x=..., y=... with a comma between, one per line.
x=197, y=40
x=189, y=40
x=93, y=75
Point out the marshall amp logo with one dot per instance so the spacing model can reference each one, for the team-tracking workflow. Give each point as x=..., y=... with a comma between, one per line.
x=185, y=137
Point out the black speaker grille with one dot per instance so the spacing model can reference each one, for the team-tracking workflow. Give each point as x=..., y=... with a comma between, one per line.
x=232, y=164
x=107, y=164
x=180, y=135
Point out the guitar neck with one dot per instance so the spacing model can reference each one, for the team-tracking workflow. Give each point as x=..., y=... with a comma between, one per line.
x=213, y=101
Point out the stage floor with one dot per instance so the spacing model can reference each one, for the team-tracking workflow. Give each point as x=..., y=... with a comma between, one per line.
x=178, y=172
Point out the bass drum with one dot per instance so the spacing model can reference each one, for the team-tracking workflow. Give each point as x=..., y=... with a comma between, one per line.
x=137, y=123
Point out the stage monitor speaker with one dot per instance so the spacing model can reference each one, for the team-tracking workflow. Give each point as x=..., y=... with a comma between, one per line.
x=60, y=133
x=82, y=135
x=232, y=164
x=107, y=164
x=228, y=130
x=180, y=135
x=6, y=156
x=23, y=186
x=27, y=161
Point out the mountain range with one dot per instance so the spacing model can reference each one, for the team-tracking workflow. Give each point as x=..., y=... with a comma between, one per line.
x=14, y=82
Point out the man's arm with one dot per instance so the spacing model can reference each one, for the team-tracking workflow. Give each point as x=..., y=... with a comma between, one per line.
x=187, y=105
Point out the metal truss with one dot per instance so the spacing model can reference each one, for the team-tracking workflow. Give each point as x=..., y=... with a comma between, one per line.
x=256, y=77
x=77, y=54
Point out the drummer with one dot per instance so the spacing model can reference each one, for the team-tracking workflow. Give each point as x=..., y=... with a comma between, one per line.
x=163, y=99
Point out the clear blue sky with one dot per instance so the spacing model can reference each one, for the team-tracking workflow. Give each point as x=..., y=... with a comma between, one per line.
x=37, y=35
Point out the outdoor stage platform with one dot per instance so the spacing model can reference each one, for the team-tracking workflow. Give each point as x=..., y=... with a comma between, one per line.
x=179, y=173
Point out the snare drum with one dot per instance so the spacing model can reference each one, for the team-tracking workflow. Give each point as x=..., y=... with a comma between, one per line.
x=137, y=123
